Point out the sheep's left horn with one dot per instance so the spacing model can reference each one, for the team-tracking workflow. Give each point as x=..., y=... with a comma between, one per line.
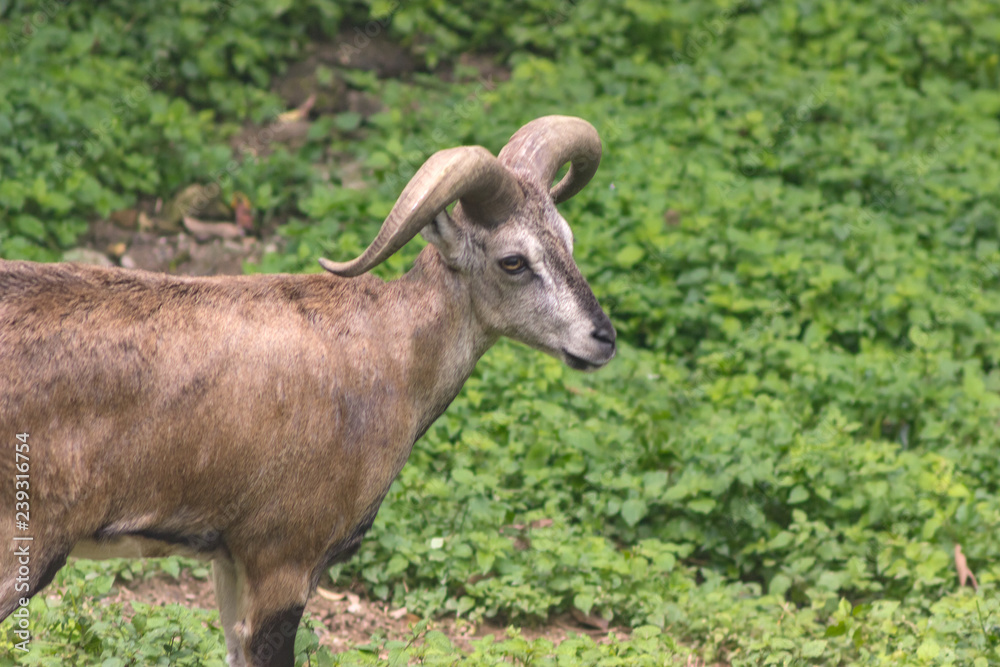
x=487, y=190
x=541, y=147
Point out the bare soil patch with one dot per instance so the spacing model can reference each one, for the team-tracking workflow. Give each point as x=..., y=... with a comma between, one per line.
x=349, y=619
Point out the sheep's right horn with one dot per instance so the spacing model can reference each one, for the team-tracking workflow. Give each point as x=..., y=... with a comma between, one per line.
x=545, y=144
x=488, y=191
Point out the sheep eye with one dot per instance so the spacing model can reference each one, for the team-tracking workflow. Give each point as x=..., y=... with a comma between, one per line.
x=513, y=264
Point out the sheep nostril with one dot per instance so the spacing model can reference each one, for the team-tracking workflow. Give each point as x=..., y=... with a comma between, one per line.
x=605, y=334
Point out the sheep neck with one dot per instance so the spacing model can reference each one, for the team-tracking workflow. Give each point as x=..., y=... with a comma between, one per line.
x=443, y=338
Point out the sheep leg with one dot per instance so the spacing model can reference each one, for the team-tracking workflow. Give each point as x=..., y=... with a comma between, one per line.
x=273, y=642
x=9, y=598
x=270, y=603
x=36, y=577
x=227, y=596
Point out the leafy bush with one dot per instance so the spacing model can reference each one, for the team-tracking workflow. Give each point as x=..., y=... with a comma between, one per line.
x=100, y=107
x=795, y=229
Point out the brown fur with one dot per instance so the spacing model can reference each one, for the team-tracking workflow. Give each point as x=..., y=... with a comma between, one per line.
x=254, y=410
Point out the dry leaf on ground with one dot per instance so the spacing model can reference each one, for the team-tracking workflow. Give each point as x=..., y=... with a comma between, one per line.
x=962, y=568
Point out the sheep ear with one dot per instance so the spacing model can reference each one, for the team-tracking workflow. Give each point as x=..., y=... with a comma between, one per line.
x=447, y=236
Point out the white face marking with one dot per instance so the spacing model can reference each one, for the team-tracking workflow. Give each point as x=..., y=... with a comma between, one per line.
x=566, y=232
x=534, y=252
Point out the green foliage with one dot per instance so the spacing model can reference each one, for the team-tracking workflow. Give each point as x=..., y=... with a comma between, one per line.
x=98, y=108
x=646, y=647
x=796, y=229
x=79, y=630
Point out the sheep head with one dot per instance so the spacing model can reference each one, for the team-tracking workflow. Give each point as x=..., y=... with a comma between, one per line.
x=506, y=238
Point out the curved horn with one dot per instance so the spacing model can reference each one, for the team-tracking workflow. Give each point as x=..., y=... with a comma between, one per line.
x=541, y=147
x=489, y=193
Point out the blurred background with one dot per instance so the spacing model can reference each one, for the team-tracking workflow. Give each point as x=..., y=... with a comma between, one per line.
x=795, y=229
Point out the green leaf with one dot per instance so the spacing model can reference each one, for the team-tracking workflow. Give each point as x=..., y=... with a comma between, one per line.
x=633, y=510
x=463, y=476
x=484, y=561
x=102, y=584
x=814, y=648
x=172, y=567
x=347, y=121
x=584, y=602
x=838, y=630
x=139, y=622
x=30, y=226
x=780, y=583
x=701, y=505
x=798, y=494
x=629, y=256
x=928, y=649
x=398, y=563
x=12, y=194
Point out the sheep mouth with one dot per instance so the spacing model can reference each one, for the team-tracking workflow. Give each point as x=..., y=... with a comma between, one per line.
x=579, y=363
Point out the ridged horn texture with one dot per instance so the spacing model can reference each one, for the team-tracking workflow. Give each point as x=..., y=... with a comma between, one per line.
x=541, y=147
x=488, y=192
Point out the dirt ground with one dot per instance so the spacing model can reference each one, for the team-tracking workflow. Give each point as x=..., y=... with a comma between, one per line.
x=349, y=619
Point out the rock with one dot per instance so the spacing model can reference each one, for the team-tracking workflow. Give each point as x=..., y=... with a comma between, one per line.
x=195, y=200
x=87, y=256
x=368, y=48
x=125, y=218
x=363, y=104
x=215, y=258
x=299, y=83
x=204, y=230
